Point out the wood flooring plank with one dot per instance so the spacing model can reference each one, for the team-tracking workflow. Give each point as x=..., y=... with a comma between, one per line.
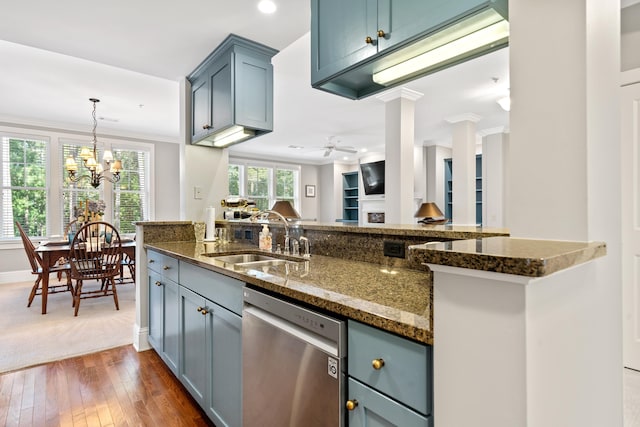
x=6, y=383
x=15, y=400
x=118, y=387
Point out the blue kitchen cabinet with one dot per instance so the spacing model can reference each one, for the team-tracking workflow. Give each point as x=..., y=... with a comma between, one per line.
x=390, y=379
x=350, y=40
x=163, y=308
x=232, y=86
x=211, y=342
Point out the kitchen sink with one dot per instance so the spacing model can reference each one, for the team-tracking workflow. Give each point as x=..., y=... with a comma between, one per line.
x=248, y=261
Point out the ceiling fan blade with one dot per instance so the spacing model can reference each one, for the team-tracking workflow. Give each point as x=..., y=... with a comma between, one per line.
x=347, y=149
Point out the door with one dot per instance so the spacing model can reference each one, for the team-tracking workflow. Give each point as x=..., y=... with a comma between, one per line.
x=338, y=32
x=155, y=311
x=171, y=325
x=193, y=344
x=222, y=98
x=200, y=114
x=630, y=192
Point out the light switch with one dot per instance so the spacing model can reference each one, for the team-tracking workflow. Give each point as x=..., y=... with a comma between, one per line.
x=197, y=193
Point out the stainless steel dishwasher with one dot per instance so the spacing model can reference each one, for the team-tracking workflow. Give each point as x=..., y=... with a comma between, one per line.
x=293, y=367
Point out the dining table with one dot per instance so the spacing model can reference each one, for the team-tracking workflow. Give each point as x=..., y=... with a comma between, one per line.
x=50, y=252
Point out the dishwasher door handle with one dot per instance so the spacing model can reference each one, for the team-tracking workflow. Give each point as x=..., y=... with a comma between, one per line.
x=298, y=332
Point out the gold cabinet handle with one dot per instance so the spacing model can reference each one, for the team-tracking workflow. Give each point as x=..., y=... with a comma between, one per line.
x=165, y=267
x=381, y=33
x=377, y=364
x=351, y=404
x=202, y=310
x=368, y=40
x=205, y=127
x=158, y=283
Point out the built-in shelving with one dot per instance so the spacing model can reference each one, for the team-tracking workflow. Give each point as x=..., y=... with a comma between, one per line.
x=448, y=189
x=350, y=197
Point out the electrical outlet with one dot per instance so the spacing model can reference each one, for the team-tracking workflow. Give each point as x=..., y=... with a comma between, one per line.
x=248, y=234
x=393, y=249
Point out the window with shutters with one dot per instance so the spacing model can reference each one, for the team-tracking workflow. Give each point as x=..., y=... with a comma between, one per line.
x=24, y=184
x=127, y=200
x=264, y=183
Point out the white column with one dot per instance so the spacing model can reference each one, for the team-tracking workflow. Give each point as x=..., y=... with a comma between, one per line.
x=494, y=167
x=399, y=141
x=564, y=155
x=464, y=168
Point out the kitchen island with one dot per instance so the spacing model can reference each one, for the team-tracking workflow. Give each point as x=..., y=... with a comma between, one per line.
x=500, y=313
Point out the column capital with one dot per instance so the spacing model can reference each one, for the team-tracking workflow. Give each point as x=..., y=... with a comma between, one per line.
x=466, y=117
x=400, y=92
x=493, y=131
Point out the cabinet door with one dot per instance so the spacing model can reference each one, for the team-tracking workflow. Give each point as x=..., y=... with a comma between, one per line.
x=374, y=409
x=171, y=325
x=338, y=32
x=224, y=404
x=155, y=311
x=254, y=95
x=222, y=102
x=200, y=114
x=193, y=344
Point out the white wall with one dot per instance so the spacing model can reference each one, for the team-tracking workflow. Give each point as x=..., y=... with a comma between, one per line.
x=166, y=182
x=434, y=173
x=207, y=168
x=309, y=175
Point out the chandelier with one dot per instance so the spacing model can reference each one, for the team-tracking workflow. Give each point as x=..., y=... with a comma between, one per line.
x=90, y=161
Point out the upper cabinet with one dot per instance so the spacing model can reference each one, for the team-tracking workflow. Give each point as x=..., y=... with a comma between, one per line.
x=353, y=41
x=232, y=93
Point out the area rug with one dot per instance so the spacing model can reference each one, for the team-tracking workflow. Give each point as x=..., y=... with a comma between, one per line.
x=29, y=338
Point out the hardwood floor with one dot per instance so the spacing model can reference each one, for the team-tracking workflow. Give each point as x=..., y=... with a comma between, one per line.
x=117, y=387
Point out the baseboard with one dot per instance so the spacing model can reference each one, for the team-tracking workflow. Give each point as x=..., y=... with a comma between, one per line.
x=16, y=276
x=140, y=341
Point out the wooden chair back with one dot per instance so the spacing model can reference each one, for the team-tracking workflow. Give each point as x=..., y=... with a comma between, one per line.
x=96, y=252
x=30, y=249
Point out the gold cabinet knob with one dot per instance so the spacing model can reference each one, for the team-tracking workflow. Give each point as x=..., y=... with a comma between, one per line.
x=158, y=283
x=205, y=127
x=202, y=310
x=165, y=267
x=381, y=33
x=151, y=261
x=351, y=404
x=368, y=40
x=377, y=364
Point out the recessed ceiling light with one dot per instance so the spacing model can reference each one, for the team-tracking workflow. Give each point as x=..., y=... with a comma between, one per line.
x=363, y=150
x=267, y=6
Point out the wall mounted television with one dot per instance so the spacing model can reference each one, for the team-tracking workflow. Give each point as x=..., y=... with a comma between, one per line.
x=373, y=177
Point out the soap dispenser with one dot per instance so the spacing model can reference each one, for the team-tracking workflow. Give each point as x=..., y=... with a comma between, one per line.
x=265, y=238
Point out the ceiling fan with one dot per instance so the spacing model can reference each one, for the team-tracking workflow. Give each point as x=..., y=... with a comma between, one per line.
x=332, y=145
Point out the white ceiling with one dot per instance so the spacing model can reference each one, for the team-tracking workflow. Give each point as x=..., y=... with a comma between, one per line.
x=131, y=55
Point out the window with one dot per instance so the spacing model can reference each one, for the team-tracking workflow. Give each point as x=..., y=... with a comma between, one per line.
x=130, y=194
x=24, y=191
x=265, y=184
x=127, y=200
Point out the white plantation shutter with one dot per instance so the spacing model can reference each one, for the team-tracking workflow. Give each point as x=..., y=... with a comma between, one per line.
x=24, y=185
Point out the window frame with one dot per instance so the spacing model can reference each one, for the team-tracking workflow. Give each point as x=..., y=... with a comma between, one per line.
x=244, y=164
x=56, y=173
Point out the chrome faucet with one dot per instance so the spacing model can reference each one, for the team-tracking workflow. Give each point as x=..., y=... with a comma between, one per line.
x=253, y=217
x=306, y=252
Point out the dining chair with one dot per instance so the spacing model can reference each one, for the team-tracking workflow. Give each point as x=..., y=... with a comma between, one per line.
x=96, y=254
x=36, y=269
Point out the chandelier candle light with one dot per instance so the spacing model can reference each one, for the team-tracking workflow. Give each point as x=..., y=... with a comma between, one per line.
x=90, y=161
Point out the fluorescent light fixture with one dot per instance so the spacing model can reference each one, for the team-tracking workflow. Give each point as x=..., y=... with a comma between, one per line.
x=233, y=134
x=475, y=34
x=267, y=6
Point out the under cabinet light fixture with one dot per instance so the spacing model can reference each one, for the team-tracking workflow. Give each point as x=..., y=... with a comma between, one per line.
x=467, y=38
x=235, y=133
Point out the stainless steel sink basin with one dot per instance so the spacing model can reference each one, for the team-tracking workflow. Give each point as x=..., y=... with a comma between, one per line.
x=248, y=261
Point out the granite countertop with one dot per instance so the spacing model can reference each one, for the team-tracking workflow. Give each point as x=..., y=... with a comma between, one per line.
x=523, y=257
x=398, y=300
